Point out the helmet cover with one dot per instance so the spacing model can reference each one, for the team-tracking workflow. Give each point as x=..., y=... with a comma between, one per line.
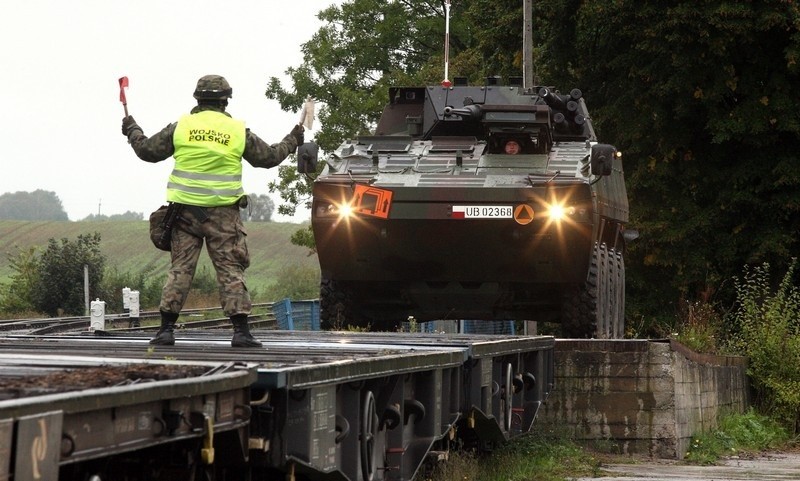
x=213, y=87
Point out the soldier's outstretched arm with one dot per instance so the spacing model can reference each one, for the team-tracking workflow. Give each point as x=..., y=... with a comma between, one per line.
x=260, y=154
x=150, y=149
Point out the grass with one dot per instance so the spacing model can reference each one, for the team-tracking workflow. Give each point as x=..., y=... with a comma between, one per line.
x=699, y=330
x=126, y=245
x=553, y=457
x=530, y=457
x=737, y=435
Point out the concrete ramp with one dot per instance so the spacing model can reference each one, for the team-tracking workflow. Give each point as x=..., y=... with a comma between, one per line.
x=641, y=396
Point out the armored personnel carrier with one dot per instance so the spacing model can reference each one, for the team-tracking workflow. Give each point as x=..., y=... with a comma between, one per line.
x=489, y=202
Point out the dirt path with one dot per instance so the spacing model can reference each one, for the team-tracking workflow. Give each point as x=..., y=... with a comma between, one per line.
x=769, y=466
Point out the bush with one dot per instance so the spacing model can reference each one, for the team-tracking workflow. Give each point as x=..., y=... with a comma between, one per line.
x=17, y=296
x=765, y=329
x=146, y=282
x=295, y=282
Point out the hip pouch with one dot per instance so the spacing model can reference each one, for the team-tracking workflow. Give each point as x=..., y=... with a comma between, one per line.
x=162, y=220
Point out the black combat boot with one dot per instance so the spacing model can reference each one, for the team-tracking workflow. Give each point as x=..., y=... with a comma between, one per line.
x=241, y=333
x=165, y=336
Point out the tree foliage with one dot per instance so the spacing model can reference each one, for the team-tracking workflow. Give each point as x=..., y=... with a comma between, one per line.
x=148, y=282
x=128, y=215
x=364, y=47
x=259, y=209
x=295, y=282
x=700, y=98
x=17, y=296
x=36, y=205
x=59, y=284
x=51, y=280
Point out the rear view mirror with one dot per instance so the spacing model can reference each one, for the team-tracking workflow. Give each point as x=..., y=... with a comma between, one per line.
x=307, y=158
x=602, y=158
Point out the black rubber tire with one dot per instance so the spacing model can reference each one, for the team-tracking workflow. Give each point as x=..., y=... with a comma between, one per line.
x=597, y=308
x=579, y=312
x=618, y=285
x=337, y=308
x=333, y=305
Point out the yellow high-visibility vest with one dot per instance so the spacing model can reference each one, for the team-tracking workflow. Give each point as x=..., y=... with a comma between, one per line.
x=208, y=160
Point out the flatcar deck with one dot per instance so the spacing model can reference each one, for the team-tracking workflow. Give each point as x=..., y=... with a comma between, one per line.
x=308, y=405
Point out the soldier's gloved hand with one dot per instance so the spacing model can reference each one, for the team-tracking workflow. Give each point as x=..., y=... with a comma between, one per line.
x=129, y=125
x=297, y=133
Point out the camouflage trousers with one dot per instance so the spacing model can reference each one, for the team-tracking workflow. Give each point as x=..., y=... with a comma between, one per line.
x=225, y=240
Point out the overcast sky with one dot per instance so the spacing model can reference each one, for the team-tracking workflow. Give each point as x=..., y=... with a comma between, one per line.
x=61, y=63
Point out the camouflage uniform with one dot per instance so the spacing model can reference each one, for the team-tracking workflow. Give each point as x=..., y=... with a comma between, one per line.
x=220, y=226
x=226, y=243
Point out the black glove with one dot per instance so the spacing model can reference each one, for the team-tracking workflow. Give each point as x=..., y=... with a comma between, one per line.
x=129, y=125
x=297, y=133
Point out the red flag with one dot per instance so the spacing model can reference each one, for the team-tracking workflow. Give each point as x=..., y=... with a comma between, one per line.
x=123, y=82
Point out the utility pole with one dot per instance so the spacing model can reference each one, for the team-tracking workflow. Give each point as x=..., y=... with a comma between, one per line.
x=86, y=287
x=527, y=45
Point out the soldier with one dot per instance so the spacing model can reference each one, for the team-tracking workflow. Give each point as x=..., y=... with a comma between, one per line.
x=512, y=147
x=206, y=184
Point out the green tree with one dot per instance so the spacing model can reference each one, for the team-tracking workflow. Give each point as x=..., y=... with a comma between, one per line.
x=365, y=47
x=17, y=296
x=295, y=282
x=700, y=97
x=59, y=286
x=259, y=209
x=128, y=215
x=36, y=205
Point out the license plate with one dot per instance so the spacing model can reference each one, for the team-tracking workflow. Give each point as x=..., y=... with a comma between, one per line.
x=483, y=212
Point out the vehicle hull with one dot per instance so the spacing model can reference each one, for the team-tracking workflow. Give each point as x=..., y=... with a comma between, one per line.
x=425, y=261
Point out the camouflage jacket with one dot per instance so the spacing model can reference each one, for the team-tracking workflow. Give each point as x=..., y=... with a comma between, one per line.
x=256, y=152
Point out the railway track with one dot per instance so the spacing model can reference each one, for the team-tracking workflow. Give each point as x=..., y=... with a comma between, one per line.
x=147, y=321
x=317, y=405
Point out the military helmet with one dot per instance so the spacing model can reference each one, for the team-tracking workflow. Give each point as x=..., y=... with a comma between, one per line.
x=213, y=87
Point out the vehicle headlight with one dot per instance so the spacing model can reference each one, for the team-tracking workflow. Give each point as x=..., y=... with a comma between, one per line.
x=327, y=210
x=558, y=212
x=345, y=210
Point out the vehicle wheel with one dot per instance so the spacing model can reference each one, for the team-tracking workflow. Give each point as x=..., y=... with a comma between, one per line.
x=333, y=305
x=336, y=311
x=579, y=313
x=597, y=308
x=618, y=295
x=602, y=301
x=613, y=303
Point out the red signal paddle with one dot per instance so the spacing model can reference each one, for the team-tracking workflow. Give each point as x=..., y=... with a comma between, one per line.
x=123, y=83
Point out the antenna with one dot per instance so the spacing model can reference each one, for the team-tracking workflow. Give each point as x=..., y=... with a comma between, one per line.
x=527, y=46
x=446, y=82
